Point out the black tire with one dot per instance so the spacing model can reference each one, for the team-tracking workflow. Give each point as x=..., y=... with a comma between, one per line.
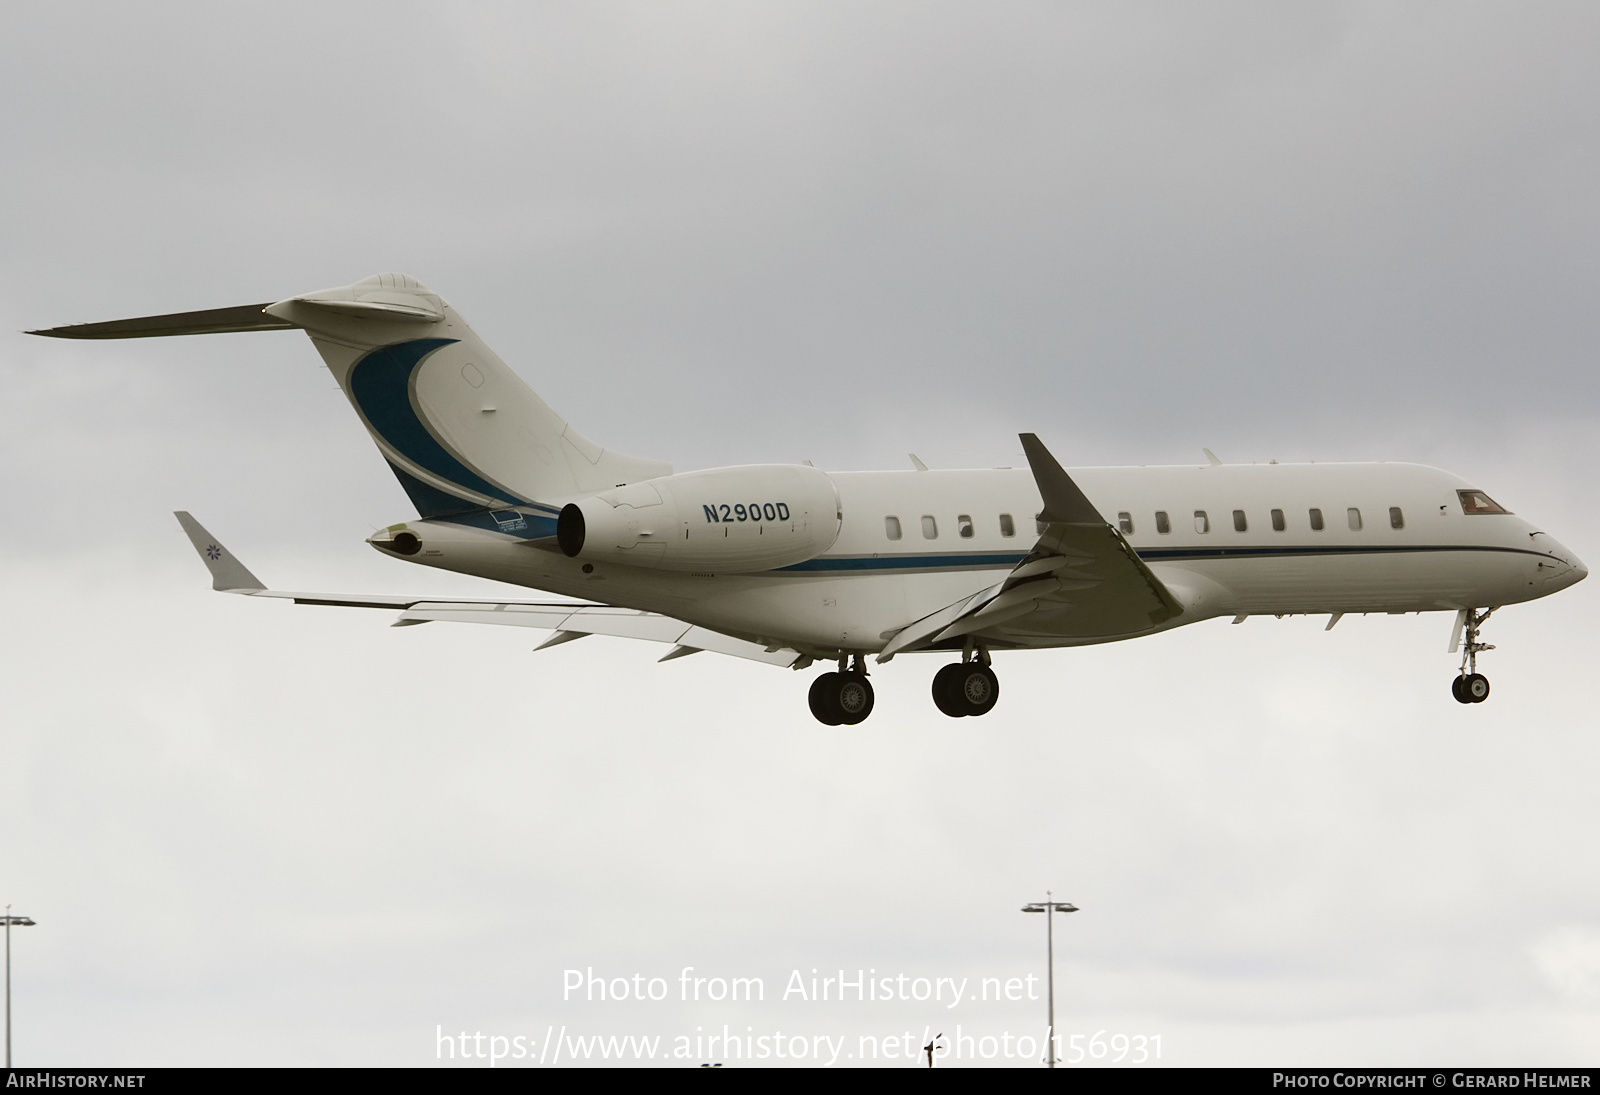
x=853, y=698
x=1476, y=688
x=1457, y=687
x=977, y=688
x=945, y=695
x=824, y=699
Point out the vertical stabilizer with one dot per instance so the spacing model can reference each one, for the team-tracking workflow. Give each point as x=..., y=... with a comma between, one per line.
x=459, y=428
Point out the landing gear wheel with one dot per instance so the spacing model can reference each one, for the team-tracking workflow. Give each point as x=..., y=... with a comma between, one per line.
x=977, y=688
x=852, y=697
x=824, y=699
x=1470, y=688
x=946, y=691
x=837, y=698
x=965, y=688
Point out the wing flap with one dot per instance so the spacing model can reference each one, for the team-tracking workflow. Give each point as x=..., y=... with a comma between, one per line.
x=621, y=623
x=716, y=642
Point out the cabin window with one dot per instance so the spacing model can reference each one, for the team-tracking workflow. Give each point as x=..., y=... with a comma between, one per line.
x=964, y=526
x=1316, y=520
x=1475, y=502
x=1163, y=526
x=1278, y=523
x=891, y=527
x=1008, y=527
x=1239, y=523
x=1125, y=524
x=930, y=527
x=1202, y=523
x=1353, y=515
x=1396, y=518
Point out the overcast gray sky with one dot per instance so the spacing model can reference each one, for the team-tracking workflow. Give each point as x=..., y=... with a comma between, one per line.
x=721, y=233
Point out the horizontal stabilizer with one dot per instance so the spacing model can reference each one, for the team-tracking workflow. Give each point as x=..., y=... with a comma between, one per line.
x=213, y=321
x=417, y=311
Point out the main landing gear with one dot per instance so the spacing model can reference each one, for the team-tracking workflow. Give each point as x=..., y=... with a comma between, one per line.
x=1470, y=686
x=844, y=697
x=969, y=687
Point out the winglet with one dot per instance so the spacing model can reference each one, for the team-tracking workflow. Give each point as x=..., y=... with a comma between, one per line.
x=228, y=574
x=1064, y=503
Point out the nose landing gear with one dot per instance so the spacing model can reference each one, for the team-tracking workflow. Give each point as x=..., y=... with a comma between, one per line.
x=844, y=697
x=1470, y=686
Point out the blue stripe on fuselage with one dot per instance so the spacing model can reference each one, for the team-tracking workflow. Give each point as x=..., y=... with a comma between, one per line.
x=907, y=562
x=1160, y=555
x=977, y=561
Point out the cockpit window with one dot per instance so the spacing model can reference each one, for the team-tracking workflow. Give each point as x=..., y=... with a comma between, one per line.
x=1475, y=502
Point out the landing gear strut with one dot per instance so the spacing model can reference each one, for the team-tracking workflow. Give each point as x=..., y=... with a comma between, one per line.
x=844, y=697
x=968, y=687
x=1470, y=686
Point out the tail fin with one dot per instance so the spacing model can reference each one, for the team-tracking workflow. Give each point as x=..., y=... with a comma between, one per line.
x=460, y=429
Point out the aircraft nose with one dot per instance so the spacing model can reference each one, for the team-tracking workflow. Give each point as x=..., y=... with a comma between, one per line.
x=1572, y=572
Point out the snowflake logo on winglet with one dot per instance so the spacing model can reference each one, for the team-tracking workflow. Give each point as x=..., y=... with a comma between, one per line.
x=214, y=551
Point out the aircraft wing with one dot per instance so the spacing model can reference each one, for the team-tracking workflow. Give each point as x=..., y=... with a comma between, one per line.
x=1081, y=580
x=568, y=619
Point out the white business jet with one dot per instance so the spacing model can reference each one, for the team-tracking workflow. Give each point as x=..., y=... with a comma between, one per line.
x=787, y=564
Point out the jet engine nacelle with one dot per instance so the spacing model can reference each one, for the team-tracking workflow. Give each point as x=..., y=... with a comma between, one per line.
x=725, y=520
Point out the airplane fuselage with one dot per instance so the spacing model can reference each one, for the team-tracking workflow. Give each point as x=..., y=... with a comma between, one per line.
x=1394, y=538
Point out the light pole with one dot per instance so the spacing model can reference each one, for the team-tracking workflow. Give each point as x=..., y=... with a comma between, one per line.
x=21, y=922
x=1050, y=908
